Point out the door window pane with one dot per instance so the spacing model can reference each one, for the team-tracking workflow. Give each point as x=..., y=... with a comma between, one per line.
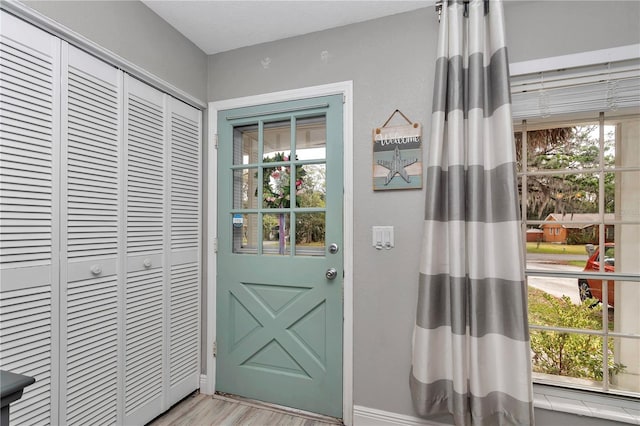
x=276, y=189
x=245, y=233
x=276, y=140
x=245, y=145
x=275, y=234
x=311, y=136
x=311, y=186
x=310, y=234
x=245, y=190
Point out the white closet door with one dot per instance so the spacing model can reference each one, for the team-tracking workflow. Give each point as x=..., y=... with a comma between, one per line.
x=145, y=297
x=29, y=143
x=91, y=219
x=100, y=236
x=184, y=280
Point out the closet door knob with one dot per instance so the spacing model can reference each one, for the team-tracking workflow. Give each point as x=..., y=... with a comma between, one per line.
x=147, y=263
x=96, y=269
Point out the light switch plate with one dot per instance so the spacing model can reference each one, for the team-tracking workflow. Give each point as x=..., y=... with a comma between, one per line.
x=382, y=237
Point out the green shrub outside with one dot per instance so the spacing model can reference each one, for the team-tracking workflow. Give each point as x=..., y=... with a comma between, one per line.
x=568, y=354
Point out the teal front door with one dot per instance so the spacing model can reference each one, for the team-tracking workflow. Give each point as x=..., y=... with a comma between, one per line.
x=280, y=259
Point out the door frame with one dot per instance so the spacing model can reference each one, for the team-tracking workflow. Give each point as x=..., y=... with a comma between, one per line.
x=345, y=88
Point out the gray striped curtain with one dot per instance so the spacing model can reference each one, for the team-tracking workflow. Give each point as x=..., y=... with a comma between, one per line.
x=471, y=351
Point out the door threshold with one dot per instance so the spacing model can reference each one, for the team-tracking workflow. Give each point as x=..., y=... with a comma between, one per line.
x=277, y=408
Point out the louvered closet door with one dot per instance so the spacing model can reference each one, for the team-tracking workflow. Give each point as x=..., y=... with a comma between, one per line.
x=145, y=250
x=29, y=142
x=100, y=236
x=91, y=218
x=184, y=280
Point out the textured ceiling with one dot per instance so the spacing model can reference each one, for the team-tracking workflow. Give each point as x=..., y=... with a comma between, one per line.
x=217, y=26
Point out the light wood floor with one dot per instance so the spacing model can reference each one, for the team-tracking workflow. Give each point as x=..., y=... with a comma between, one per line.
x=217, y=410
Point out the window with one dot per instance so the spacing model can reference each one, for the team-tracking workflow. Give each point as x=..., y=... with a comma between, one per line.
x=582, y=173
x=287, y=212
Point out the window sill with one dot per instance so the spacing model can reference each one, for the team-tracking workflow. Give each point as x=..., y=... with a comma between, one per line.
x=583, y=403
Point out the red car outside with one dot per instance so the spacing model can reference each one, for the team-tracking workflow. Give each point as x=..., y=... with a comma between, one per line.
x=592, y=288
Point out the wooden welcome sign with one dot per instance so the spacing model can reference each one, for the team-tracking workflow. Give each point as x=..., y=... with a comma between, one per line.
x=397, y=156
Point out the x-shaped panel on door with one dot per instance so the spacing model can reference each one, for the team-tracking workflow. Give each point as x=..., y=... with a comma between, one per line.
x=278, y=329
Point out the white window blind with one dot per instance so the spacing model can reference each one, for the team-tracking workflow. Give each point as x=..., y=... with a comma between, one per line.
x=606, y=87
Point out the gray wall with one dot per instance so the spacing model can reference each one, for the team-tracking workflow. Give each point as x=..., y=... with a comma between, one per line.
x=539, y=29
x=131, y=30
x=390, y=61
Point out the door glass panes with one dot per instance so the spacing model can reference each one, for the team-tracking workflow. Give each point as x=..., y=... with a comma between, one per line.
x=277, y=140
x=311, y=138
x=245, y=189
x=279, y=175
x=310, y=234
x=275, y=234
x=311, y=189
x=245, y=145
x=245, y=233
x=276, y=189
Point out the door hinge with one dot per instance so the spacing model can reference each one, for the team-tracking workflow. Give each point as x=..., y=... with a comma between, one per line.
x=215, y=141
x=215, y=349
x=215, y=245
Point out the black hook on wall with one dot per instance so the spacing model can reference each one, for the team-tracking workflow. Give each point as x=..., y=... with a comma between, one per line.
x=440, y=5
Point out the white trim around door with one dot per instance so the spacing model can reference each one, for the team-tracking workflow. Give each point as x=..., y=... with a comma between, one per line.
x=346, y=89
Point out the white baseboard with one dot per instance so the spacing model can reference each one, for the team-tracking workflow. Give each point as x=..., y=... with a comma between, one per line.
x=364, y=416
x=204, y=385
